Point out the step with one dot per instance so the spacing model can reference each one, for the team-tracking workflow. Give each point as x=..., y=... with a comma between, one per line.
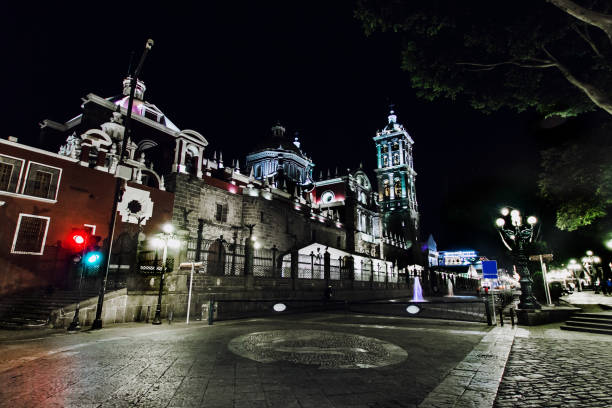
x=586, y=330
x=596, y=325
x=604, y=315
x=578, y=318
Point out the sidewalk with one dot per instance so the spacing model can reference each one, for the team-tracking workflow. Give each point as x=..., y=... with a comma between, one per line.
x=474, y=381
x=588, y=298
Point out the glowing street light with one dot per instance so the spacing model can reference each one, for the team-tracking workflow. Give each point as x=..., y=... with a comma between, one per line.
x=515, y=236
x=589, y=263
x=163, y=240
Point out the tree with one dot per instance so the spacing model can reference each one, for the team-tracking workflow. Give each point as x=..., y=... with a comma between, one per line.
x=552, y=55
x=577, y=177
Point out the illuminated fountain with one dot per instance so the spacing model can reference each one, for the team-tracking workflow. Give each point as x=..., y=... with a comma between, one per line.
x=450, y=288
x=417, y=295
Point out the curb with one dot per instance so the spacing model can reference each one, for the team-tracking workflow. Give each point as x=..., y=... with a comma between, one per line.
x=475, y=380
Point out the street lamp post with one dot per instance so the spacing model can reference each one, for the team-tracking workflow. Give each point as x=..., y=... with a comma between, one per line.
x=97, y=323
x=164, y=240
x=589, y=263
x=515, y=237
x=575, y=267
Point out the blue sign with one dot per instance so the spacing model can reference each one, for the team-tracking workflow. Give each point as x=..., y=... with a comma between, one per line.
x=489, y=269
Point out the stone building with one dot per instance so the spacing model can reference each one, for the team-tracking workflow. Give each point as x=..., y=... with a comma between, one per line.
x=274, y=201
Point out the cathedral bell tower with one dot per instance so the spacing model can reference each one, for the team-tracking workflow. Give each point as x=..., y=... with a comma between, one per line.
x=396, y=176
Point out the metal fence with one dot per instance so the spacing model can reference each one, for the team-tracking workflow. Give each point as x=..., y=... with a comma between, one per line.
x=218, y=257
x=473, y=310
x=310, y=266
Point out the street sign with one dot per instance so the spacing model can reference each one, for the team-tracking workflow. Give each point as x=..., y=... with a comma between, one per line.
x=489, y=269
x=546, y=257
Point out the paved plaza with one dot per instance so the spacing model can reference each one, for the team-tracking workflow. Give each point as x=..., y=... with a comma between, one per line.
x=310, y=360
x=192, y=366
x=549, y=367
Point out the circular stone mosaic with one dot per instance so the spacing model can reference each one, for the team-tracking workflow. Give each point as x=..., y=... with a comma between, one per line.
x=317, y=347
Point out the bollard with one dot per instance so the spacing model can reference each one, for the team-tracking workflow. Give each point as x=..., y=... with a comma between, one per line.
x=170, y=314
x=512, y=316
x=488, y=311
x=210, y=312
x=148, y=314
x=501, y=316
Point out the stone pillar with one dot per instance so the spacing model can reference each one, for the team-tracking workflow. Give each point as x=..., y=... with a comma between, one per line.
x=390, y=153
x=200, y=161
x=294, y=266
x=199, y=240
x=177, y=153
x=326, y=267
x=378, y=156
x=275, y=269
x=101, y=159
x=401, y=152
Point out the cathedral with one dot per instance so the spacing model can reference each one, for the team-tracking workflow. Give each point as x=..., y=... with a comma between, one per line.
x=170, y=174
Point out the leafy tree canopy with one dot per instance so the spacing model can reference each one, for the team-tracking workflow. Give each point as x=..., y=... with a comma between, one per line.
x=553, y=56
x=578, y=178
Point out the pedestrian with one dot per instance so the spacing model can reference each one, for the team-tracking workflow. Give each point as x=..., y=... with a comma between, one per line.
x=609, y=286
x=477, y=291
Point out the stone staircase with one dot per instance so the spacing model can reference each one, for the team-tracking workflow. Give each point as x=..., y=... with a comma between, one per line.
x=596, y=322
x=34, y=310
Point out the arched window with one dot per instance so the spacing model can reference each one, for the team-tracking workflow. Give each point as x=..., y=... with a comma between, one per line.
x=397, y=186
x=396, y=158
x=387, y=190
x=385, y=160
x=395, y=145
x=385, y=148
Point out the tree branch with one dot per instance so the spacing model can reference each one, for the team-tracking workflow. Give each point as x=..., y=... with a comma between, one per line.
x=600, y=20
x=596, y=96
x=488, y=67
x=587, y=39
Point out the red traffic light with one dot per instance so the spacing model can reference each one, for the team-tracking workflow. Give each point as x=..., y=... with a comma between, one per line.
x=78, y=239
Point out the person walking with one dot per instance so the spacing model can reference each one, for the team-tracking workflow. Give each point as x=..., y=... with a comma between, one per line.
x=609, y=287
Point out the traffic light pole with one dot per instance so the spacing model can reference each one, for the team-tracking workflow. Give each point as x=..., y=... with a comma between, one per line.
x=75, y=325
x=97, y=323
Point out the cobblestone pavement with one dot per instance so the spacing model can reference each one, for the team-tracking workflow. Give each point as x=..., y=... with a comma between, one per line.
x=551, y=368
x=140, y=365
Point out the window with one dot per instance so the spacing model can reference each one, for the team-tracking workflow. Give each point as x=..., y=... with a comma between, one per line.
x=386, y=189
x=385, y=161
x=42, y=181
x=398, y=187
x=221, y=213
x=30, y=234
x=10, y=172
x=396, y=158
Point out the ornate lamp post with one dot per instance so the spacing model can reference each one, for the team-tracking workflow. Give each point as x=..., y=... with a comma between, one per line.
x=589, y=263
x=515, y=236
x=575, y=267
x=164, y=240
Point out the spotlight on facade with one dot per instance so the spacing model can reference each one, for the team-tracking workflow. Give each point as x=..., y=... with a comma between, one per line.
x=279, y=307
x=174, y=243
x=157, y=243
x=168, y=228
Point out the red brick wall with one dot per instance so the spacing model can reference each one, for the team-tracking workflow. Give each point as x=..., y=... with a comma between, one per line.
x=85, y=196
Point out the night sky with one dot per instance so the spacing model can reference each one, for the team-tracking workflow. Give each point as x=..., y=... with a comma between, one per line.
x=231, y=70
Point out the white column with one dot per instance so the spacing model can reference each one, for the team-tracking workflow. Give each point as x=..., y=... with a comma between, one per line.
x=200, y=161
x=182, y=159
x=175, y=165
x=391, y=187
x=401, y=152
